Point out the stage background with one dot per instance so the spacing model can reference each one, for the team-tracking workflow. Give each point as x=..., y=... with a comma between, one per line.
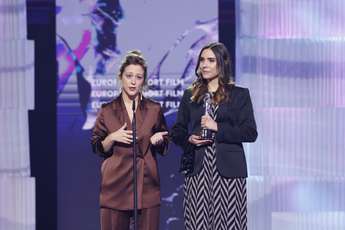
x=289, y=53
x=92, y=38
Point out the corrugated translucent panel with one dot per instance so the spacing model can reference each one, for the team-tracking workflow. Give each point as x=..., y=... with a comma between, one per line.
x=259, y=210
x=17, y=199
x=17, y=74
x=291, y=54
x=14, y=143
x=291, y=18
x=13, y=19
x=17, y=188
x=295, y=202
x=293, y=73
x=307, y=194
x=299, y=142
x=308, y=221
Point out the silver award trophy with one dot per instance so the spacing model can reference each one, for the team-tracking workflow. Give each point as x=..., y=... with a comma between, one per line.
x=206, y=134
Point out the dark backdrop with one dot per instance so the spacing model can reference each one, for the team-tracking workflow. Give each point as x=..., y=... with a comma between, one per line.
x=42, y=120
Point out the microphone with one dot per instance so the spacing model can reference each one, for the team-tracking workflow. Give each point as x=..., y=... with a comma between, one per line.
x=133, y=105
x=135, y=176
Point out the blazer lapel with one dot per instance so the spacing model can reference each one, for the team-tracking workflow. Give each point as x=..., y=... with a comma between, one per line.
x=141, y=113
x=121, y=114
x=118, y=110
x=221, y=111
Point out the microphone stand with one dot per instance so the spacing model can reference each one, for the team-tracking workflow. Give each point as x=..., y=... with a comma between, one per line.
x=135, y=190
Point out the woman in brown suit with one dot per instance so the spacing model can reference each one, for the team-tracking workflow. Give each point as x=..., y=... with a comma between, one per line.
x=112, y=139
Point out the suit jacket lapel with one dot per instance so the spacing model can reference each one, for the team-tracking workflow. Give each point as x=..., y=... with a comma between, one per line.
x=141, y=113
x=121, y=113
x=118, y=110
x=221, y=111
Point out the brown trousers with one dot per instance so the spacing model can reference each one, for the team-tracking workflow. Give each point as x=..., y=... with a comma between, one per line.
x=148, y=219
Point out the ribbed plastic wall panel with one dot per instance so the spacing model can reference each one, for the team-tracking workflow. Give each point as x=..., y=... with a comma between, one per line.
x=308, y=221
x=13, y=19
x=299, y=142
x=291, y=18
x=296, y=72
x=291, y=54
x=282, y=202
x=14, y=142
x=259, y=210
x=17, y=188
x=17, y=199
x=17, y=74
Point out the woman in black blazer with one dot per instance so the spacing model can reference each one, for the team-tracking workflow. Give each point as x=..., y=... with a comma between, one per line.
x=215, y=183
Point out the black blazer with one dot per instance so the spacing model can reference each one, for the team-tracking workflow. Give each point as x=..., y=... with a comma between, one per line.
x=236, y=124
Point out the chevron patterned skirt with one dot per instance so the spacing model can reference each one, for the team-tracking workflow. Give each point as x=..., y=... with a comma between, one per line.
x=213, y=202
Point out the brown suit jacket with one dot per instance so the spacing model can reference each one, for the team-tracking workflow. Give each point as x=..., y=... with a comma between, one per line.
x=116, y=170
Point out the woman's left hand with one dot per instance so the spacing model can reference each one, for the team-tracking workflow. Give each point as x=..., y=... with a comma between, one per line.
x=208, y=123
x=158, y=137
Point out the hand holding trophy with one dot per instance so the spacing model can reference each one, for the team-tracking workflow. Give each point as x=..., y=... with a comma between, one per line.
x=207, y=134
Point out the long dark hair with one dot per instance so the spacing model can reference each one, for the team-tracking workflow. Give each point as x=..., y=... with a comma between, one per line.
x=226, y=80
x=134, y=57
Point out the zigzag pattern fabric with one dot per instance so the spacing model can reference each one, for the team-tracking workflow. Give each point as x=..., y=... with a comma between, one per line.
x=213, y=202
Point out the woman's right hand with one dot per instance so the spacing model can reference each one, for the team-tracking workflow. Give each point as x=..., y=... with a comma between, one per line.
x=122, y=135
x=196, y=140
